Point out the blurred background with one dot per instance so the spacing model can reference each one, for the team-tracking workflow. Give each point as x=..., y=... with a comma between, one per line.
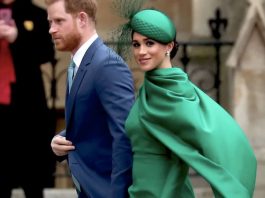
x=222, y=48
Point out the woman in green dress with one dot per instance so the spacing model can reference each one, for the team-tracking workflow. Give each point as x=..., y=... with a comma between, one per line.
x=174, y=125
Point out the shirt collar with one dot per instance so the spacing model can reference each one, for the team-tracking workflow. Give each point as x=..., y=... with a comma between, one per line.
x=78, y=56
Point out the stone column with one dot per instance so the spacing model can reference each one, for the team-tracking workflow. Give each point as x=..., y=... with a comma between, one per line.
x=202, y=11
x=247, y=69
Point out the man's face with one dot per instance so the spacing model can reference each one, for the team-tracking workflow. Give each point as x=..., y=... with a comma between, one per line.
x=63, y=27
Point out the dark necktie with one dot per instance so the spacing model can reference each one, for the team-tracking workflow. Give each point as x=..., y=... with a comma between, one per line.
x=70, y=74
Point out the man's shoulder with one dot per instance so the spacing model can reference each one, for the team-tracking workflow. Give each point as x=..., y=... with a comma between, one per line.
x=105, y=52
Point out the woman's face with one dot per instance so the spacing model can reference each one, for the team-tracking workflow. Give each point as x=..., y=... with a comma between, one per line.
x=150, y=54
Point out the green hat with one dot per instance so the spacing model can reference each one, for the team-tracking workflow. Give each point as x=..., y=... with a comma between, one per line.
x=154, y=24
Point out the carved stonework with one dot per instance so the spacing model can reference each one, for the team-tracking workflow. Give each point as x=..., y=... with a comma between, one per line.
x=247, y=82
x=247, y=61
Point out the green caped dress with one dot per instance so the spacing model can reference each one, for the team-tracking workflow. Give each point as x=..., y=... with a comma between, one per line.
x=172, y=126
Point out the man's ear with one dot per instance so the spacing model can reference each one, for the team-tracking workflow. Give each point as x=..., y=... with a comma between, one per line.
x=82, y=18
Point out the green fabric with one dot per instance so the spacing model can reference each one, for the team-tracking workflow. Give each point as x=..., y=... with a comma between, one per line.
x=154, y=24
x=174, y=125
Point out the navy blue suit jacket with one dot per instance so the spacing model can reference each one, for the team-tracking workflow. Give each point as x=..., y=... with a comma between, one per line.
x=96, y=109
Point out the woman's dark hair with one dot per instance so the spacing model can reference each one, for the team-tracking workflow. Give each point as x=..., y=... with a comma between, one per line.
x=174, y=50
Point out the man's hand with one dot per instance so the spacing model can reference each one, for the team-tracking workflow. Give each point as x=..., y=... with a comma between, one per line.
x=61, y=146
x=8, y=31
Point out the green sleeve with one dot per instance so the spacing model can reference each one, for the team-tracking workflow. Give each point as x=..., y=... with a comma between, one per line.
x=198, y=131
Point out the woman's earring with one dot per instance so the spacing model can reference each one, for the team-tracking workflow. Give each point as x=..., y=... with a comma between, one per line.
x=168, y=53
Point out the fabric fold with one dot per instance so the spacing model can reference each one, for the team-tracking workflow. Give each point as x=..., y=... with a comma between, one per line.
x=195, y=129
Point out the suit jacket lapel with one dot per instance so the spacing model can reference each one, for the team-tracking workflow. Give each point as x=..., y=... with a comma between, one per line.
x=86, y=61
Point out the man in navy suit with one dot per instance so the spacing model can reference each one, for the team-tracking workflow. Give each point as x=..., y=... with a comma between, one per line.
x=97, y=104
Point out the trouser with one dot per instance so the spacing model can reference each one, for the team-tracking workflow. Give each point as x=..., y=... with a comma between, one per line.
x=13, y=172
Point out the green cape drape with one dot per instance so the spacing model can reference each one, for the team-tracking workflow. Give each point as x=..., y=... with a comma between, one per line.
x=174, y=120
